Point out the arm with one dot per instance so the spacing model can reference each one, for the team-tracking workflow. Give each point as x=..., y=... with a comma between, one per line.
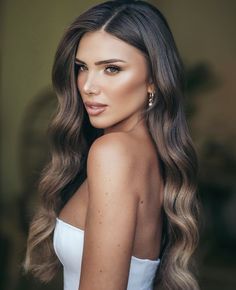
x=111, y=216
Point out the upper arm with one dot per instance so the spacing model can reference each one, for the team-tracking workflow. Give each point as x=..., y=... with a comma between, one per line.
x=111, y=215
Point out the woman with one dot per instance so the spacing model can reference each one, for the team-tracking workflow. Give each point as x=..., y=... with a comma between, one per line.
x=118, y=209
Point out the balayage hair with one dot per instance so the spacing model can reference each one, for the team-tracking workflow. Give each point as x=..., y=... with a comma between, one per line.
x=141, y=25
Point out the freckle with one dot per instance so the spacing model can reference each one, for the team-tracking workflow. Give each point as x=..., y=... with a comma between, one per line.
x=118, y=245
x=100, y=223
x=100, y=270
x=141, y=201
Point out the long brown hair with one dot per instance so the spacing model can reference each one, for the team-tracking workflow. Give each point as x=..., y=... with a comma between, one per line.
x=143, y=26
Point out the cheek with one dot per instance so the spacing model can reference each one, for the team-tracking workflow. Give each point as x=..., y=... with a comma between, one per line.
x=80, y=82
x=129, y=88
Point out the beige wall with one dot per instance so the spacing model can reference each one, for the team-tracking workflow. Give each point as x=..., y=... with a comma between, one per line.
x=204, y=31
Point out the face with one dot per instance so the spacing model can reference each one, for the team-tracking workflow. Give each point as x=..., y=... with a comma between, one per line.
x=113, y=73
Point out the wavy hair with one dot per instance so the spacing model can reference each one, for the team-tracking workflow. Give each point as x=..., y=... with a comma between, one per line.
x=141, y=25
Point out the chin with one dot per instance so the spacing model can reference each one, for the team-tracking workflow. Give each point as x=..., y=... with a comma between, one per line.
x=99, y=124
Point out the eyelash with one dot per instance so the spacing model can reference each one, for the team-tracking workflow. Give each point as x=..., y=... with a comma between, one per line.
x=78, y=66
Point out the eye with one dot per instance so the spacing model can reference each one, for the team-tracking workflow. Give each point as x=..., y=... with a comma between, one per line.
x=79, y=67
x=113, y=69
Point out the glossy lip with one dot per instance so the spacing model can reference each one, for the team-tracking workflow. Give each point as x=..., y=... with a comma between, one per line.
x=94, y=108
x=94, y=104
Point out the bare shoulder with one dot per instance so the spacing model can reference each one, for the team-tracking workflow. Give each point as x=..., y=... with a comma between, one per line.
x=113, y=144
x=113, y=151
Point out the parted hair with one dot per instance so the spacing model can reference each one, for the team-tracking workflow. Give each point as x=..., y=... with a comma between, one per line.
x=141, y=25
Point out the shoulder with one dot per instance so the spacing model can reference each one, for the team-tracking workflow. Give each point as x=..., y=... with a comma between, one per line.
x=114, y=142
x=114, y=147
x=111, y=163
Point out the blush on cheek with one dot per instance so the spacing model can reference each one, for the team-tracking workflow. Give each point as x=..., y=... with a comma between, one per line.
x=132, y=90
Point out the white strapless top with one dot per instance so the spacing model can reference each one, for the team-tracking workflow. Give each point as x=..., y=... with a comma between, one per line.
x=68, y=243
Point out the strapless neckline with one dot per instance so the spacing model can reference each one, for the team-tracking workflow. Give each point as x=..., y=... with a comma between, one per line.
x=82, y=232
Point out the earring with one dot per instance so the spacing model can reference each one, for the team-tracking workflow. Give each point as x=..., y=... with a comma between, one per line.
x=150, y=99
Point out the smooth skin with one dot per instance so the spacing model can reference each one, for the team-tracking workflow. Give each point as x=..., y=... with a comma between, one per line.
x=123, y=86
x=119, y=204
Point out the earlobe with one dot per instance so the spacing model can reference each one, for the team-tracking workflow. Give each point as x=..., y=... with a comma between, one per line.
x=150, y=87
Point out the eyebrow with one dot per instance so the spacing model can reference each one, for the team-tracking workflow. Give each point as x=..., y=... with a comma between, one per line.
x=102, y=61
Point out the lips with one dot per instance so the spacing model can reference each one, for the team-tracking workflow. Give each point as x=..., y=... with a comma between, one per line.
x=94, y=108
x=94, y=104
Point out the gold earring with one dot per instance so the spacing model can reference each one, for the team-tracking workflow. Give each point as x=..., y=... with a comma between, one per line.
x=150, y=99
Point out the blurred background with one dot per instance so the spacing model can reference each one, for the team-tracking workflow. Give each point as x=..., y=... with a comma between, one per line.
x=205, y=35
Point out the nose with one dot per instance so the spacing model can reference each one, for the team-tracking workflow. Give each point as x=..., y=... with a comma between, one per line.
x=91, y=86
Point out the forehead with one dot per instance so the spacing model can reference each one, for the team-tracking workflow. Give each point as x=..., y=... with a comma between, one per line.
x=100, y=45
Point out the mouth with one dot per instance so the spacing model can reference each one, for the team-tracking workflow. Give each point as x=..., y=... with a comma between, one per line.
x=95, y=110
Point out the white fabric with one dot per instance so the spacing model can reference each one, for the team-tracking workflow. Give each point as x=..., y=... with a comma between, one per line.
x=68, y=243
